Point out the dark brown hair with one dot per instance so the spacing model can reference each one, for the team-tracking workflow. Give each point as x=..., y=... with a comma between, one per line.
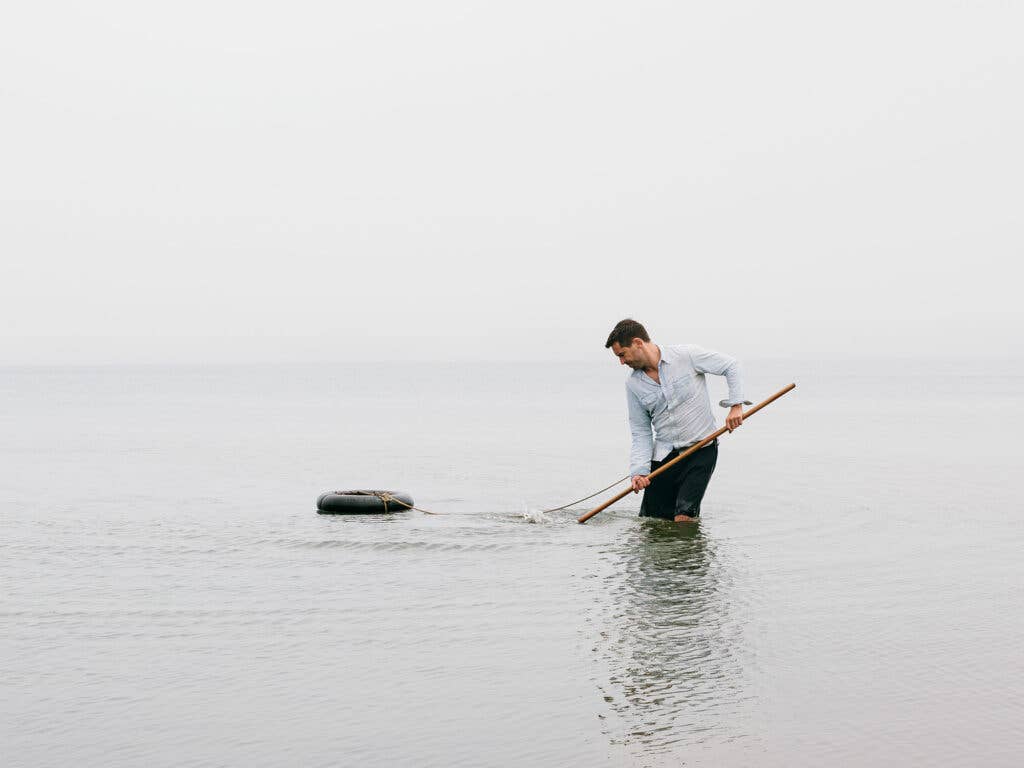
x=625, y=331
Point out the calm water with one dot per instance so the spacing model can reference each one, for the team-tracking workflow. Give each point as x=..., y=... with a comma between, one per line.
x=169, y=597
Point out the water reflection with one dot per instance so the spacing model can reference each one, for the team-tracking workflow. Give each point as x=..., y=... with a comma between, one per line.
x=668, y=649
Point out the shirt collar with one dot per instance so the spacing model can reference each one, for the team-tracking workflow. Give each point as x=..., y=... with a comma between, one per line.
x=667, y=355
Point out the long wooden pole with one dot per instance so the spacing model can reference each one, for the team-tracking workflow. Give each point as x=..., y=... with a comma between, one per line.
x=687, y=452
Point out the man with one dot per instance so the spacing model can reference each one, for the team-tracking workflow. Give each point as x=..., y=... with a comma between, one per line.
x=667, y=391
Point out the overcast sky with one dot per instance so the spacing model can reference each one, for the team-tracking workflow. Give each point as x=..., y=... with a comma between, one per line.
x=222, y=181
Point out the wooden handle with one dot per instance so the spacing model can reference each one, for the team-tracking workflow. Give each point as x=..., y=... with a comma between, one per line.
x=692, y=449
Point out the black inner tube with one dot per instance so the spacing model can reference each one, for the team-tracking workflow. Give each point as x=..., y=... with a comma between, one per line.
x=363, y=502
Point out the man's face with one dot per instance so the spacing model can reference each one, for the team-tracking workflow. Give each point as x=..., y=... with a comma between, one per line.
x=631, y=355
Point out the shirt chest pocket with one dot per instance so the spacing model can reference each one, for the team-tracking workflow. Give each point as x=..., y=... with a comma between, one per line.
x=683, y=389
x=651, y=401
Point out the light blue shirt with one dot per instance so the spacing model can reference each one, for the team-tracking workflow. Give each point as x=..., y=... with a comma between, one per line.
x=677, y=412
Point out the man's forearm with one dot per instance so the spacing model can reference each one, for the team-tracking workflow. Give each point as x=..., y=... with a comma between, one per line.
x=640, y=456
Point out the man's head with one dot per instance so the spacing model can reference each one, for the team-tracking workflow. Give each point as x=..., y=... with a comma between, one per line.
x=629, y=342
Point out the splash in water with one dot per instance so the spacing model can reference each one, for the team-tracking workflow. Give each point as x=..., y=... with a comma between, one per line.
x=536, y=516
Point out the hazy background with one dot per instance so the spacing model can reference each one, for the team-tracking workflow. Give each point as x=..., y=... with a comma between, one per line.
x=229, y=181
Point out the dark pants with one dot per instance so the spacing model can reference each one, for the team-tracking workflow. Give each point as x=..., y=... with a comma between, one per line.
x=679, y=490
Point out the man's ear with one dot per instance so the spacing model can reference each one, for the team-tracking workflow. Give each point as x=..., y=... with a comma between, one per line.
x=636, y=342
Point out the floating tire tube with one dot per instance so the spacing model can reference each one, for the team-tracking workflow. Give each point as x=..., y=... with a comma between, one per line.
x=363, y=502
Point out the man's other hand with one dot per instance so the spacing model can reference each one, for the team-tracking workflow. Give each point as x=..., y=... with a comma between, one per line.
x=639, y=483
x=735, y=417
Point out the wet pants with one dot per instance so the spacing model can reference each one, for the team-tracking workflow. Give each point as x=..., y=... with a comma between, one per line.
x=679, y=490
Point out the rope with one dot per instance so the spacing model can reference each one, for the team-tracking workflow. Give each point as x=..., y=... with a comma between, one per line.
x=585, y=498
x=387, y=498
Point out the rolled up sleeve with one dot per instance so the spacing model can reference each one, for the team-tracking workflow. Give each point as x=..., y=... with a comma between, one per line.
x=706, y=361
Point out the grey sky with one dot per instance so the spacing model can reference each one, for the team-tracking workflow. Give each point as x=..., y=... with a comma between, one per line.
x=270, y=181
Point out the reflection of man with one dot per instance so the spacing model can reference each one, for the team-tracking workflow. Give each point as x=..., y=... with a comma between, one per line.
x=667, y=392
